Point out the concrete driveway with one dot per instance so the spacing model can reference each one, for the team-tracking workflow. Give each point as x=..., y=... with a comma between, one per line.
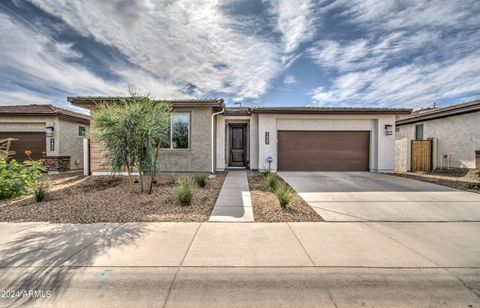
x=365, y=196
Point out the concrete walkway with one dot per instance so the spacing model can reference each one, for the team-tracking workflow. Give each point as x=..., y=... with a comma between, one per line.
x=234, y=203
x=237, y=264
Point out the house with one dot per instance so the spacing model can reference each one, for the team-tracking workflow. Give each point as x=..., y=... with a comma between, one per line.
x=51, y=133
x=276, y=138
x=453, y=133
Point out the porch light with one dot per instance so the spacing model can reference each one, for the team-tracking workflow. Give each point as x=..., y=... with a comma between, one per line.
x=388, y=129
x=49, y=130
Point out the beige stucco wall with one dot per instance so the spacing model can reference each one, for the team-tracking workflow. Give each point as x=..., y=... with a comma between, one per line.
x=195, y=159
x=222, y=140
x=382, y=156
x=33, y=124
x=70, y=143
x=458, y=136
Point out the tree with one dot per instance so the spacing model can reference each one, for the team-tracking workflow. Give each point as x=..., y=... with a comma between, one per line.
x=131, y=131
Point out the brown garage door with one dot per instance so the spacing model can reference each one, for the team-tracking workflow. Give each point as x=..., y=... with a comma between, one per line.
x=33, y=141
x=323, y=150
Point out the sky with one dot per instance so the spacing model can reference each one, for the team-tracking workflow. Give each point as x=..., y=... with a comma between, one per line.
x=356, y=53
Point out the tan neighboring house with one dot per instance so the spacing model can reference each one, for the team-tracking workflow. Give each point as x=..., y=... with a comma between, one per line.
x=51, y=133
x=215, y=137
x=453, y=133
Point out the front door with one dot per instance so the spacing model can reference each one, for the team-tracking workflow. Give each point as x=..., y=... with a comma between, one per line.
x=237, y=146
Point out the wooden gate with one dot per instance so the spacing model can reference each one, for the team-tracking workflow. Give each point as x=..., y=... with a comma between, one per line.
x=421, y=155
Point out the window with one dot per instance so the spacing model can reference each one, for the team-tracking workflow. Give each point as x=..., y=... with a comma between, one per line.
x=177, y=135
x=81, y=131
x=52, y=144
x=419, y=132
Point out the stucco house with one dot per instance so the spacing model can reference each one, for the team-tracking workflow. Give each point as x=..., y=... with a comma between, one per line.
x=51, y=133
x=279, y=138
x=454, y=132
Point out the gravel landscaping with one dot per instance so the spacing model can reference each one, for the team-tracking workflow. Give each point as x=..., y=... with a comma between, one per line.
x=463, y=179
x=94, y=199
x=266, y=207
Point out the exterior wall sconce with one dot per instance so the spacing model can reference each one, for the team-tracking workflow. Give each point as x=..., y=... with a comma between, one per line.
x=388, y=129
x=49, y=130
x=267, y=137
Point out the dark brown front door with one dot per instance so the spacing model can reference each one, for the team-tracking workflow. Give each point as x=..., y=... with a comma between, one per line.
x=237, y=146
x=32, y=141
x=323, y=150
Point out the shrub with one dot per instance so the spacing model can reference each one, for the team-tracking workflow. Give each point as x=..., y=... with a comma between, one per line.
x=272, y=181
x=185, y=191
x=284, y=195
x=266, y=172
x=201, y=179
x=40, y=192
x=172, y=179
x=18, y=179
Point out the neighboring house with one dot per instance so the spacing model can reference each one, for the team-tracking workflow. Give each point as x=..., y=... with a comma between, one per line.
x=280, y=138
x=52, y=134
x=454, y=131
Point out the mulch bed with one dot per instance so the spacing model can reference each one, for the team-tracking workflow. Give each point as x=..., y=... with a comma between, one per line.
x=463, y=179
x=266, y=207
x=107, y=199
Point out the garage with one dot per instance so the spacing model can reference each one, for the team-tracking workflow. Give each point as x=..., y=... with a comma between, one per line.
x=323, y=150
x=33, y=141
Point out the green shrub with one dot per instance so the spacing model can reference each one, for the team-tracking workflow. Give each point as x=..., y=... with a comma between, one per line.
x=266, y=172
x=284, y=194
x=272, y=181
x=172, y=179
x=185, y=191
x=201, y=179
x=18, y=179
x=40, y=192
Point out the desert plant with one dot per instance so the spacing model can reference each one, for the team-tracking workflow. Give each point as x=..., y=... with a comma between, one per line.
x=284, y=194
x=185, y=191
x=201, y=179
x=272, y=181
x=131, y=132
x=266, y=172
x=172, y=179
x=40, y=192
x=18, y=179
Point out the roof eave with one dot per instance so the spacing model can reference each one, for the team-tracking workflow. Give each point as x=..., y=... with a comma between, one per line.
x=87, y=102
x=320, y=111
x=438, y=115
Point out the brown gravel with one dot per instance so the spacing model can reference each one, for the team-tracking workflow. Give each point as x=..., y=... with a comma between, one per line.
x=107, y=199
x=463, y=179
x=266, y=207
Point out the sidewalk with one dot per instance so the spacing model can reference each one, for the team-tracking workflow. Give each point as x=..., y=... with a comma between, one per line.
x=234, y=203
x=237, y=264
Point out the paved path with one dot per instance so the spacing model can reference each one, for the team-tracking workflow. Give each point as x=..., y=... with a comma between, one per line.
x=233, y=203
x=237, y=264
x=365, y=196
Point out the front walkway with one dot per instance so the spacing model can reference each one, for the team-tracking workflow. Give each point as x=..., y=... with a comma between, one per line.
x=243, y=264
x=233, y=203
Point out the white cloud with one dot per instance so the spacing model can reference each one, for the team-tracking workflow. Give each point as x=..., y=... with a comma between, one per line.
x=411, y=53
x=295, y=21
x=290, y=80
x=184, y=42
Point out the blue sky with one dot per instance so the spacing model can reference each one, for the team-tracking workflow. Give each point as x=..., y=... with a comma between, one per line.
x=279, y=52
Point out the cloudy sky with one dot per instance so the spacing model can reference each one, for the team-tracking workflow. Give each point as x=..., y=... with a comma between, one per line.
x=279, y=52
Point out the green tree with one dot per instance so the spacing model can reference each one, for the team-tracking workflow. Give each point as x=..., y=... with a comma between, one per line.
x=131, y=132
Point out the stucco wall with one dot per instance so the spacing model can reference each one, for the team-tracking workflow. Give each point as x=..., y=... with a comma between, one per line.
x=197, y=158
x=458, y=136
x=33, y=124
x=381, y=146
x=222, y=139
x=70, y=143
x=402, y=155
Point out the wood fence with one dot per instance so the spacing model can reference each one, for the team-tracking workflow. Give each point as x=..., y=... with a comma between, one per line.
x=421, y=155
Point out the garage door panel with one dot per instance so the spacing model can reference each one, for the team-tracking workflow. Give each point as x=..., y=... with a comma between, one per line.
x=33, y=141
x=323, y=150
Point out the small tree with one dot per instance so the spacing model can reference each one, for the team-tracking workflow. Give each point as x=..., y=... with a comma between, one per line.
x=131, y=132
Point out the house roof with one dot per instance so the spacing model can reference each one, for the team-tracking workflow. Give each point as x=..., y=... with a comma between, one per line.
x=329, y=110
x=437, y=113
x=88, y=101
x=39, y=110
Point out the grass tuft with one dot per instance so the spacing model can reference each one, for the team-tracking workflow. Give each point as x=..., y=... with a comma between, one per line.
x=185, y=191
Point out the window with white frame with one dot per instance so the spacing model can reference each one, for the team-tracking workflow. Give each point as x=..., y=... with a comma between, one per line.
x=178, y=134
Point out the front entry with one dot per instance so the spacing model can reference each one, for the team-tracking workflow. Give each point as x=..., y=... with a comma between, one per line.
x=238, y=146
